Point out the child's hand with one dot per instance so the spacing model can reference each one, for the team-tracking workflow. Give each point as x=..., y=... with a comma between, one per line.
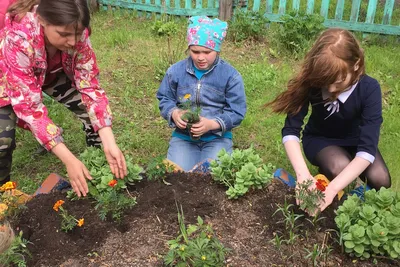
x=116, y=160
x=176, y=117
x=204, y=126
x=329, y=196
x=78, y=173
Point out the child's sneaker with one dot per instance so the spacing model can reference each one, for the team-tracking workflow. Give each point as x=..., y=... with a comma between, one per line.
x=359, y=191
x=285, y=177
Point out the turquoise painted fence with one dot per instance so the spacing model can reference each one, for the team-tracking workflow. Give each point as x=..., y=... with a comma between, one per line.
x=173, y=7
x=371, y=16
x=374, y=16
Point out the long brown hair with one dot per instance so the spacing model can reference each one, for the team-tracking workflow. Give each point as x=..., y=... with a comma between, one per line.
x=55, y=12
x=335, y=54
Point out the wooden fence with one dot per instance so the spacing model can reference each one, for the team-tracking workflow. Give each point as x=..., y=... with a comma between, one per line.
x=372, y=16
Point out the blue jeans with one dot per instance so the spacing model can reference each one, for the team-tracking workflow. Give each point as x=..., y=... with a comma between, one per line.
x=187, y=154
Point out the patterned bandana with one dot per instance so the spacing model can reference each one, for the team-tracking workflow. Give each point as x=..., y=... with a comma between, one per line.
x=206, y=32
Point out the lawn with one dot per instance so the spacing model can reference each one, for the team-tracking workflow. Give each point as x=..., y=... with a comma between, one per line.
x=131, y=61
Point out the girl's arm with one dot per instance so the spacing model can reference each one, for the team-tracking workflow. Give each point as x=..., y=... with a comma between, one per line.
x=167, y=96
x=296, y=158
x=86, y=81
x=235, y=107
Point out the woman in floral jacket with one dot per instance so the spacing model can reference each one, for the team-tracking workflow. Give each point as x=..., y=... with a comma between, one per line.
x=46, y=48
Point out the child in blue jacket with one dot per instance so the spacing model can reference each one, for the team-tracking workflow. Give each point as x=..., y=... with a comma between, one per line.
x=205, y=82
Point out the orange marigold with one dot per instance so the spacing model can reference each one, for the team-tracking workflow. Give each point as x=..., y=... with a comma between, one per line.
x=321, y=185
x=81, y=222
x=113, y=183
x=187, y=96
x=8, y=186
x=58, y=204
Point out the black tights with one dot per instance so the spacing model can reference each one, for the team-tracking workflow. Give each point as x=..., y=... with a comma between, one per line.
x=332, y=160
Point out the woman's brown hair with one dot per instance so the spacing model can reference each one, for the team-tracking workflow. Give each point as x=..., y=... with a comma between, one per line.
x=55, y=12
x=335, y=54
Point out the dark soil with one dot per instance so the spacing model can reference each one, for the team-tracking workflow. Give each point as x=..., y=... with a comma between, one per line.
x=246, y=226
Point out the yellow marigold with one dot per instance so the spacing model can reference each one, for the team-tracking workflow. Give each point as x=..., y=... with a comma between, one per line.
x=187, y=96
x=58, y=204
x=182, y=248
x=52, y=129
x=203, y=258
x=8, y=186
x=81, y=222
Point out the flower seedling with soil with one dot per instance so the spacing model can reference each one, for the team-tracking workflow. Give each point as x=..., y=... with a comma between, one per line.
x=191, y=115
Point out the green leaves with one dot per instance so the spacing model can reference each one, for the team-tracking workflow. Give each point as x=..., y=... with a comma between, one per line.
x=298, y=29
x=241, y=171
x=372, y=227
x=196, y=246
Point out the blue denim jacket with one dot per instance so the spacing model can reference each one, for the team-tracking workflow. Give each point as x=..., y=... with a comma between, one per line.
x=220, y=93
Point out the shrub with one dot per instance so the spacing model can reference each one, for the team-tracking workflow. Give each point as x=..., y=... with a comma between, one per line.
x=298, y=30
x=248, y=26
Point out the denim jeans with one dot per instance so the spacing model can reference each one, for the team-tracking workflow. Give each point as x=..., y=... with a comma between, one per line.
x=187, y=154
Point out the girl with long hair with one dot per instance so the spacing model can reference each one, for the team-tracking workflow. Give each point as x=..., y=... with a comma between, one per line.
x=45, y=47
x=342, y=133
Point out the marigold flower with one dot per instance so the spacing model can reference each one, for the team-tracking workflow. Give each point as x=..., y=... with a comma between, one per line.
x=8, y=186
x=321, y=185
x=203, y=258
x=81, y=222
x=113, y=183
x=187, y=96
x=182, y=248
x=58, y=204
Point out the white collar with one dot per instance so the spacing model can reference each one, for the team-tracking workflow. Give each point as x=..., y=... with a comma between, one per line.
x=342, y=97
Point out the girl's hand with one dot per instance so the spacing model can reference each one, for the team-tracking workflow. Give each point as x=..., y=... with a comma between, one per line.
x=301, y=178
x=329, y=196
x=78, y=173
x=114, y=156
x=176, y=117
x=204, y=126
x=116, y=160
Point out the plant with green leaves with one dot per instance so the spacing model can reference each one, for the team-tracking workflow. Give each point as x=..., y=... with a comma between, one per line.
x=68, y=221
x=166, y=28
x=241, y=171
x=158, y=168
x=111, y=194
x=298, y=30
x=196, y=246
x=191, y=115
x=15, y=254
x=310, y=197
x=96, y=162
x=370, y=228
x=248, y=26
x=113, y=204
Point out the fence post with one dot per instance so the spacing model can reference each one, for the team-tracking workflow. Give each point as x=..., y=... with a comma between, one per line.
x=93, y=5
x=225, y=9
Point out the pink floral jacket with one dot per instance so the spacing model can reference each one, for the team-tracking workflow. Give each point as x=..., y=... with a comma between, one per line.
x=23, y=64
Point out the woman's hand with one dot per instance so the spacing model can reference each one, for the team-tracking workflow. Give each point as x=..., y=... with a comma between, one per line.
x=204, y=126
x=116, y=160
x=78, y=173
x=176, y=117
x=114, y=156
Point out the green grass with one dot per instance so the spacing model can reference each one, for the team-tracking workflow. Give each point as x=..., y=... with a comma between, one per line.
x=129, y=56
